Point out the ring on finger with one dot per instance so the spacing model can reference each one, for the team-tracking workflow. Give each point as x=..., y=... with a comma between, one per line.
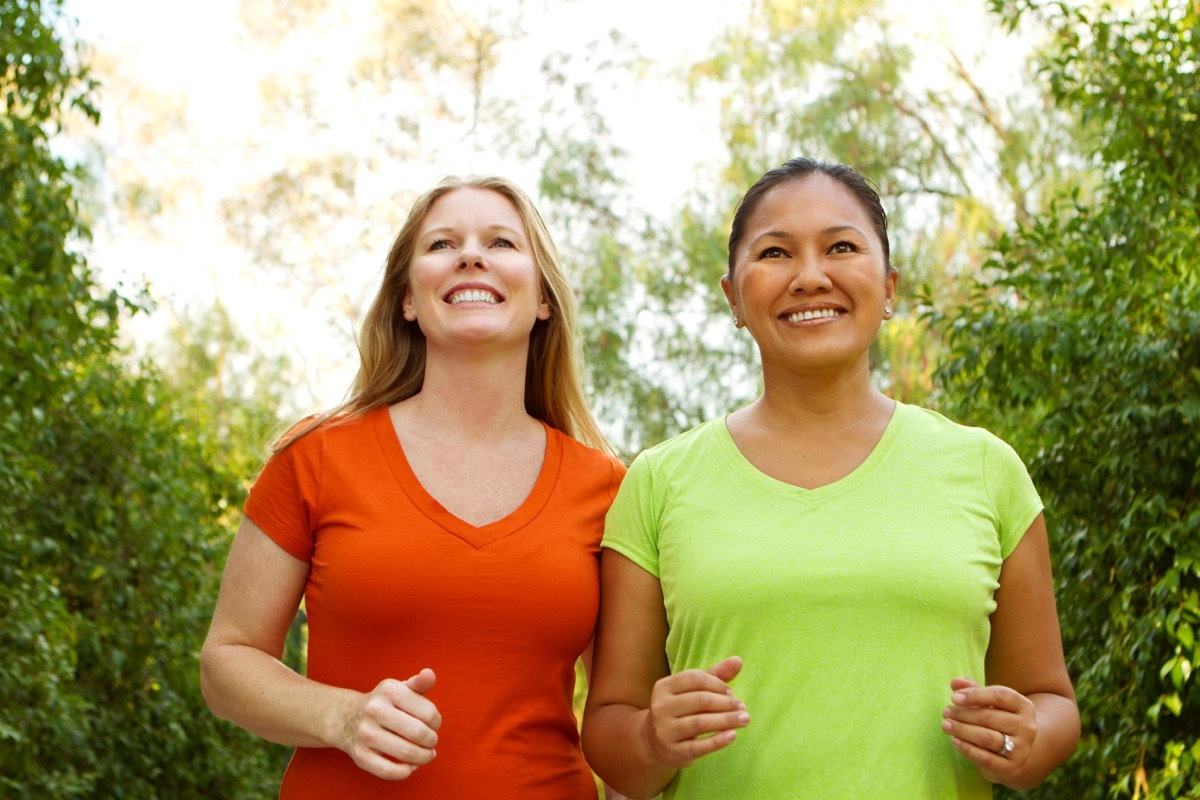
x=1006, y=747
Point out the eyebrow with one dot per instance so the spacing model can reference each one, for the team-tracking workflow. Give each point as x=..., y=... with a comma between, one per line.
x=829, y=230
x=832, y=230
x=843, y=228
x=496, y=228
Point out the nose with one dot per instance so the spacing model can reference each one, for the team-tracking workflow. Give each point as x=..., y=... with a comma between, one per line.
x=471, y=256
x=810, y=275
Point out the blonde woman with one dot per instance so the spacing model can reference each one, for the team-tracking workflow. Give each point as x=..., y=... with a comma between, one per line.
x=443, y=527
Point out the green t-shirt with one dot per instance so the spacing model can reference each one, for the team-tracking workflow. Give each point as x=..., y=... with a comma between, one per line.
x=852, y=605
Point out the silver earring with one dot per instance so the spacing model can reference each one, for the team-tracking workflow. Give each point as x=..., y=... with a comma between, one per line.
x=887, y=312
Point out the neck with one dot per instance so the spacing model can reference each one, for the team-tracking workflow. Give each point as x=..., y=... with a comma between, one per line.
x=825, y=402
x=480, y=395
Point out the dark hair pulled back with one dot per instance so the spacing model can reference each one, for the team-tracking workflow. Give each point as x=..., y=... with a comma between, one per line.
x=797, y=169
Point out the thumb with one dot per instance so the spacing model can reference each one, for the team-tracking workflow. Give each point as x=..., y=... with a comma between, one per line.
x=728, y=669
x=959, y=684
x=422, y=682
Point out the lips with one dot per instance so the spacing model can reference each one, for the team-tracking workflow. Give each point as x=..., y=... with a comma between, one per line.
x=811, y=314
x=473, y=294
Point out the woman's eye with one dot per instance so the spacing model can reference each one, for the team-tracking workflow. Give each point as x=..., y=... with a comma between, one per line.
x=773, y=252
x=439, y=244
x=502, y=242
x=843, y=247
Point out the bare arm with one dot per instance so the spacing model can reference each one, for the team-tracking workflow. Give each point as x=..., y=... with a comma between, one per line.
x=388, y=732
x=642, y=724
x=1029, y=695
x=586, y=657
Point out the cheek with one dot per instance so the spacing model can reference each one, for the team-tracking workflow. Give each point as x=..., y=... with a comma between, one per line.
x=753, y=286
x=427, y=273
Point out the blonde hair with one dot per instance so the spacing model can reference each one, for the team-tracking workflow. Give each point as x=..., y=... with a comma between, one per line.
x=392, y=349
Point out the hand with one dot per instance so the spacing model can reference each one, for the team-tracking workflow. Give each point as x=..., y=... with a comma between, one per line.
x=686, y=706
x=979, y=718
x=393, y=729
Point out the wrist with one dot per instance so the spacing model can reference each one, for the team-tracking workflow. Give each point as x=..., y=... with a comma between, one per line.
x=342, y=713
x=653, y=754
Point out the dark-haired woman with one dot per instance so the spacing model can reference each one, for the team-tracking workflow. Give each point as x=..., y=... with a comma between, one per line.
x=827, y=593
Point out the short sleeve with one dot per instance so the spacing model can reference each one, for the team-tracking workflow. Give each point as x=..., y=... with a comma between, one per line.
x=615, y=479
x=631, y=526
x=283, y=499
x=1013, y=495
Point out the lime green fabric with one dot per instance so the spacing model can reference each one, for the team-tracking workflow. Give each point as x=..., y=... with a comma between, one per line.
x=852, y=605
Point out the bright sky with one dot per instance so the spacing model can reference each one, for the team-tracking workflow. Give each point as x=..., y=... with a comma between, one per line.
x=191, y=258
x=193, y=49
x=217, y=73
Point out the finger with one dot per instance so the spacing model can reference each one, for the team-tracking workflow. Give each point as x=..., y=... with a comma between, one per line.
x=692, y=749
x=726, y=670
x=695, y=726
x=994, y=737
x=382, y=752
x=962, y=683
x=988, y=756
x=384, y=714
x=694, y=680
x=398, y=748
x=400, y=696
x=995, y=696
x=422, y=682
x=699, y=701
x=408, y=728
x=995, y=719
x=982, y=736
x=383, y=767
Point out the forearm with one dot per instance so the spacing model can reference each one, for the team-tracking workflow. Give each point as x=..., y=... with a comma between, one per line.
x=259, y=693
x=616, y=747
x=1057, y=736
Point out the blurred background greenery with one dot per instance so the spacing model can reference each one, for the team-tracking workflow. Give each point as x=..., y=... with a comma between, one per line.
x=1042, y=176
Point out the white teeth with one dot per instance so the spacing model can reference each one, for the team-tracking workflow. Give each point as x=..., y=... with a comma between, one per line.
x=801, y=316
x=473, y=296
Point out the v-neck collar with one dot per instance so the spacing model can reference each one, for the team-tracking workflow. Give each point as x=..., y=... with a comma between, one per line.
x=719, y=430
x=476, y=536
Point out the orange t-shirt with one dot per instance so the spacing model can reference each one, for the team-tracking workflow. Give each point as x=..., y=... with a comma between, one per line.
x=397, y=583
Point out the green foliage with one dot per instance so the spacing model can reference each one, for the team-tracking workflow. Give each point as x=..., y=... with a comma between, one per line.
x=107, y=558
x=953, y=160
x=655, y=328
x=212, y=374
x=1084, y=351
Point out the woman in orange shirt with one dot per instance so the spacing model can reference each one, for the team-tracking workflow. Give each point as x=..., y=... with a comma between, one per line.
x=443, y=527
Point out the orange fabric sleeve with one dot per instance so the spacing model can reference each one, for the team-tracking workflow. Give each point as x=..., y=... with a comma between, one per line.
x=397, y=583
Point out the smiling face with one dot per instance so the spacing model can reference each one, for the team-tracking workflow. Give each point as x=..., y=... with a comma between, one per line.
x=473, y=277
x=810, y=280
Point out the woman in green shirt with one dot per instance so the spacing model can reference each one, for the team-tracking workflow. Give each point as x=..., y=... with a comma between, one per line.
x=826, y=593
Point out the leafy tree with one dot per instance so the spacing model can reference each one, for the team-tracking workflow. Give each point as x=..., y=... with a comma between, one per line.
x=954, y=157
x=1084, y=350
x=342, y=127
x=217, y=376
x=107, y=505
x=814, y=77
x=652, y=351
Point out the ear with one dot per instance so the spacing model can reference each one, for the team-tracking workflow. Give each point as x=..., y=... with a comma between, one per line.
x=543, y=311
x=408, y=306
x=889, y=286
x=731, y=297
